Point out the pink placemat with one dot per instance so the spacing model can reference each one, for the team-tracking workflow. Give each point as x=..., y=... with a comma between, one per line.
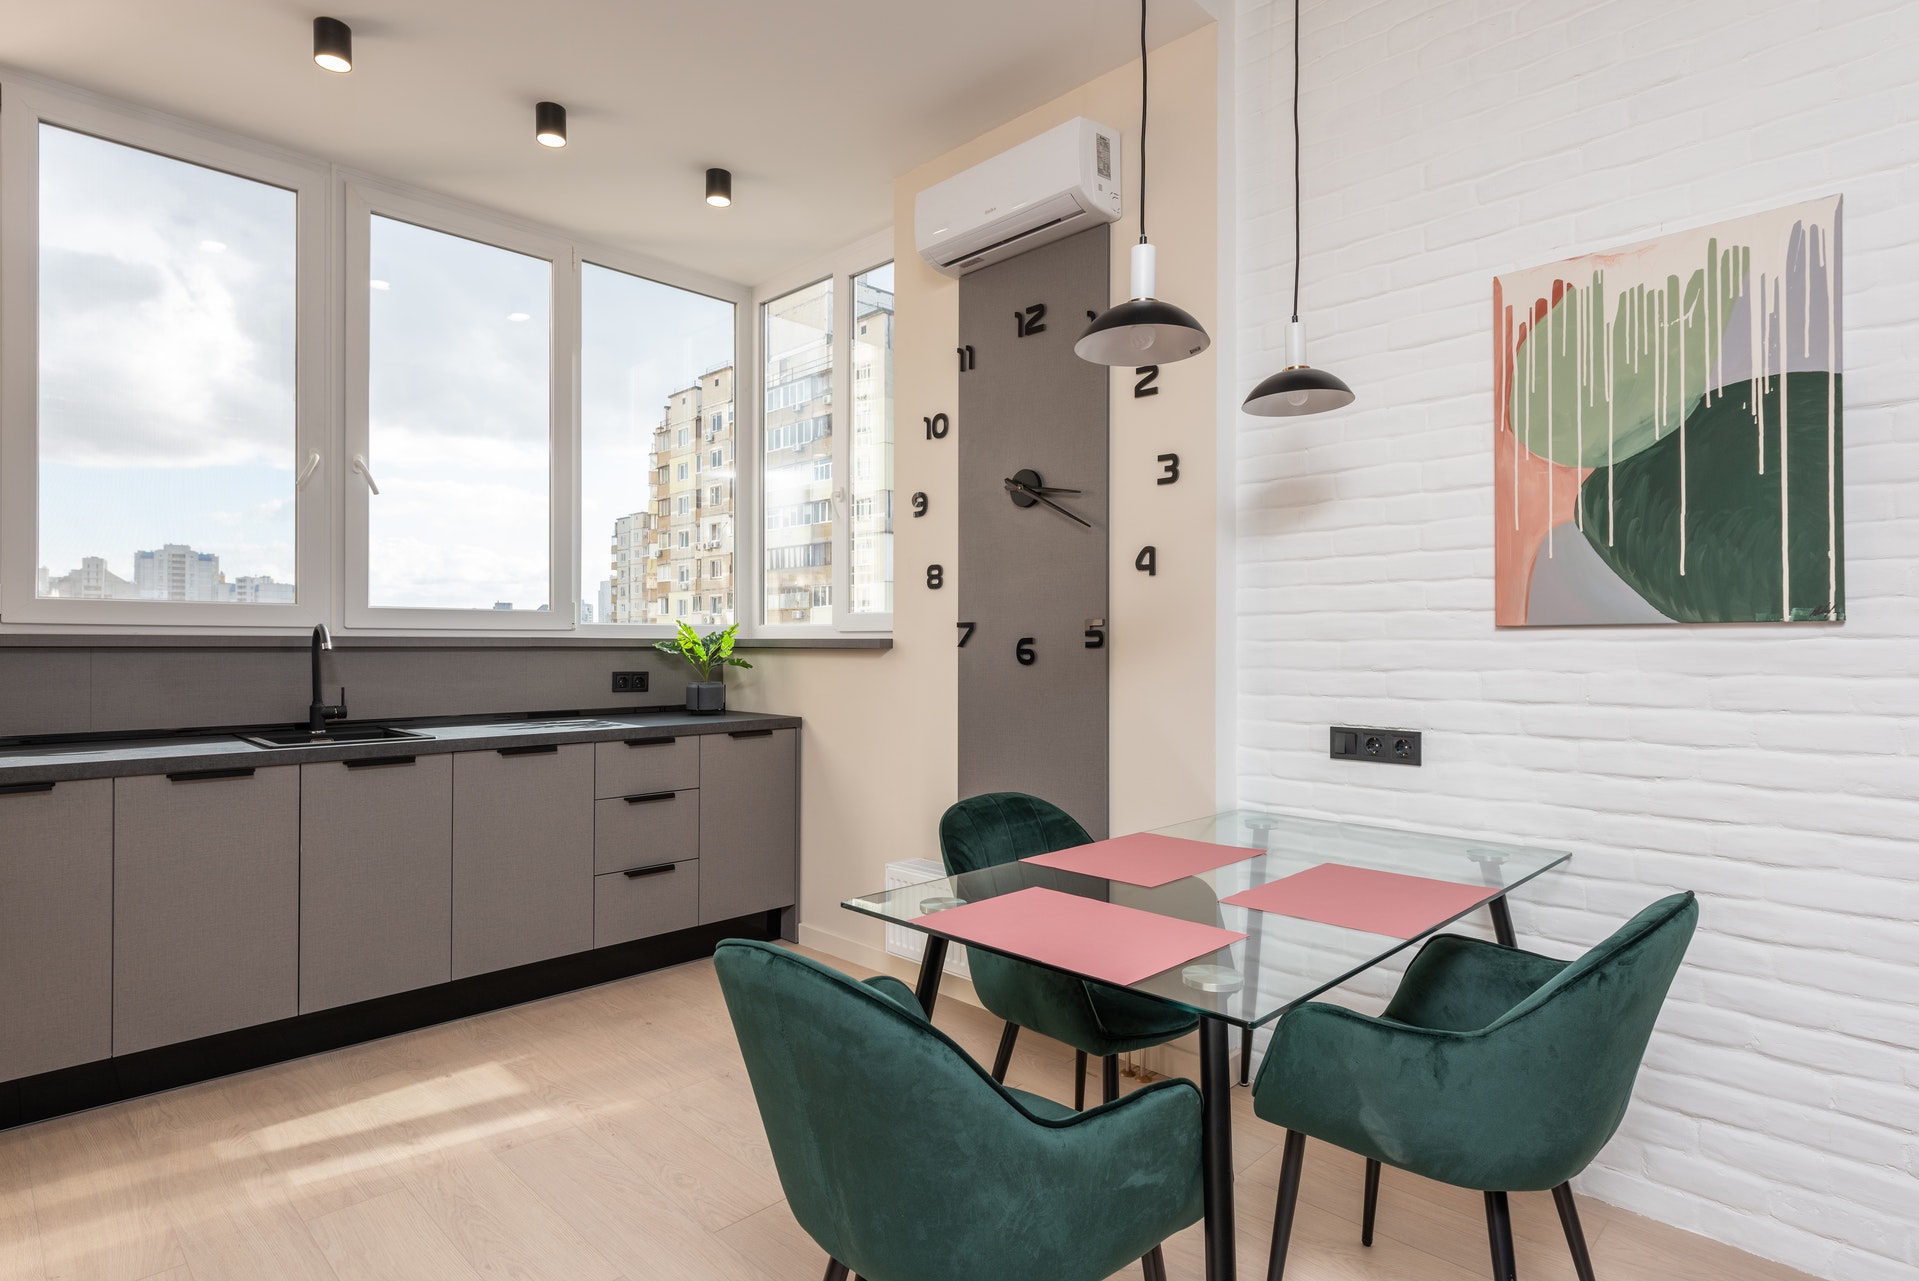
x=1086, y=936
x=1144, y=858
x=1359, y=898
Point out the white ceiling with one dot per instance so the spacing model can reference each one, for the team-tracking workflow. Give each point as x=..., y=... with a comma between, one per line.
x=816, y=105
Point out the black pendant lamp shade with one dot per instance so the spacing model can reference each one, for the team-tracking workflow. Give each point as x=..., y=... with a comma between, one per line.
x=1143, y=330
x=1299, y=388
x=549, y=124
x=719, y=188
x=333, y=44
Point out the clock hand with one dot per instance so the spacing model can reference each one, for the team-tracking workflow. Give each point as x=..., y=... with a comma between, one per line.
x=1030, y=492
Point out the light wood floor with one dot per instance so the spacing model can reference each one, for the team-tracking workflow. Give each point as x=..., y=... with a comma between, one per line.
x=610, y=1135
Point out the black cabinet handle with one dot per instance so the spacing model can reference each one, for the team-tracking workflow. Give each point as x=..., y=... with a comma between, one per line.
x=22, y=789
x=208, y=775
x=536, y=749
x=748, y=733
x=655, y=870
x=375, y=762
x=641, y=798
x=649, y=742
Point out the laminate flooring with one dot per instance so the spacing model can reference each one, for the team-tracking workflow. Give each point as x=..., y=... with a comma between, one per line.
x=611, y=1135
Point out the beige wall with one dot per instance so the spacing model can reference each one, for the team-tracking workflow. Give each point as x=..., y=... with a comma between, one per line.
x=879, y=757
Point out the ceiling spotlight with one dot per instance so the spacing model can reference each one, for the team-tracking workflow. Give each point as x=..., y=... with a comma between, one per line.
x=719, y=188
x=549, y=124
x=333, y=44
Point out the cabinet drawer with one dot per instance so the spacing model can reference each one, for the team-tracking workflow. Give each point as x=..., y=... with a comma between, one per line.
x=646, y=765
x=627, y=907
x=646, y=827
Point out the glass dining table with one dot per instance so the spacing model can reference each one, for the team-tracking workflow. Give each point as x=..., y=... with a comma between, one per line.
x=1282, y=961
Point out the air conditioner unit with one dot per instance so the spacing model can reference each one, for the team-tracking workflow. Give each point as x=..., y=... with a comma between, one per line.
x=1063, y=181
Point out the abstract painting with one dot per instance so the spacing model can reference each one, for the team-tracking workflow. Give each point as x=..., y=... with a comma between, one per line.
x=1668, y=447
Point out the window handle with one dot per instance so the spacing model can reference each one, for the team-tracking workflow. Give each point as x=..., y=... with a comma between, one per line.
x=359, y=465
x=308, y=472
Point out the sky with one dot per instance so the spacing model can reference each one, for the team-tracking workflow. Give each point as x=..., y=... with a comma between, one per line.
x=167, y=385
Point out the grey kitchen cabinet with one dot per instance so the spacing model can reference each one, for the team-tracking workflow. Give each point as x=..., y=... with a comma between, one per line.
x=646, y=765
x=522, y=855
x=644, y=829
x=56, y=926
x=206, y=909
x=376, y=878
x=644, y=901
x=749, y=822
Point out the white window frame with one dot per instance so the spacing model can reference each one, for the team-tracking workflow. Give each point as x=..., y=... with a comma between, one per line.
x=24, y=105
x=841, y=267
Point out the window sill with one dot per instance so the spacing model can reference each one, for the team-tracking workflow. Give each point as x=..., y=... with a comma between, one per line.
x=345, y=640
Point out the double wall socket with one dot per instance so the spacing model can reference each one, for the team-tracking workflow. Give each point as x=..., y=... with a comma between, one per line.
x=629, y=682
x=1386, y=746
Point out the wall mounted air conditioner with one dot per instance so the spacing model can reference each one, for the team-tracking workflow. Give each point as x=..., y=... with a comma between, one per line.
x=1047, y=188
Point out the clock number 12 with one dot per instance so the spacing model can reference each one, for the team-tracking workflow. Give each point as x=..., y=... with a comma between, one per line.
x=1031, y=321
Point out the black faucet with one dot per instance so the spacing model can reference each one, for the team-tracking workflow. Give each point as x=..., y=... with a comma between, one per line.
x=321, y=712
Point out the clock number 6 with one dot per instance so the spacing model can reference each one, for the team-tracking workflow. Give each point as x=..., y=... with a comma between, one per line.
x=1023, y=651
x=1147, y=562
x=937, y=426
x=935, y=577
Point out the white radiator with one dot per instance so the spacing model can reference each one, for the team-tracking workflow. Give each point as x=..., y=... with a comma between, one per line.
x=910, y=943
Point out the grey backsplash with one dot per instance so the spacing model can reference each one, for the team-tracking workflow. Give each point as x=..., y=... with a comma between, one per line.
x=71, y=690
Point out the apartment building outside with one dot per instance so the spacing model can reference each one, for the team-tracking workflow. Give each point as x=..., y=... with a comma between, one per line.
x=673, y=562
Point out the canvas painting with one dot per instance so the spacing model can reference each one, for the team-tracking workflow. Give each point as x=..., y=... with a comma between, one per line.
x=1668, y=443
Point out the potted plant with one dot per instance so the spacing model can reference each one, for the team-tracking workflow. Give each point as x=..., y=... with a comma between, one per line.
x=710, y=655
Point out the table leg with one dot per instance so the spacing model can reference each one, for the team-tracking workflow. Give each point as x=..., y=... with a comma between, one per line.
x=932, y=965
x=1216, y=1148
x=1502, y=914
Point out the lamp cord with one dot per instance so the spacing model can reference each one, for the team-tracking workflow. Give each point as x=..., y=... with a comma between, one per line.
x=1142, y=121
x=1296, y=240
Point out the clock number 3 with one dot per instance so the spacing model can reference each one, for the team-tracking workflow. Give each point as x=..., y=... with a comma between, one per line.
x=937, y=426
x=935, y=577
x=1023, y=651
x=1171, y=463
x=1031, y=321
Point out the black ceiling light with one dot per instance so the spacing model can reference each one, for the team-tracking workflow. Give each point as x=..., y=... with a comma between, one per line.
x=549, y=124
x=1297, y=389
x=1144, y=330
x=719, y=188
x=333, y=44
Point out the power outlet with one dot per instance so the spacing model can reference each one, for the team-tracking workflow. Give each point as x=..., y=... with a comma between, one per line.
x=1383, y=746
x=629, y=682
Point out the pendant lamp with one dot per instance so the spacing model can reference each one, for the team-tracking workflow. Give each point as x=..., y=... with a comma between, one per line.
x=1144, y=330
x=1299, y=388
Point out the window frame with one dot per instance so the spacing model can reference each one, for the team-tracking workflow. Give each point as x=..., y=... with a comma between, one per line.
x=841, y=267
x=24, y=106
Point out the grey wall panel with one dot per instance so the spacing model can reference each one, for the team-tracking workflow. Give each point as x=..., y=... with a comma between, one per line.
x=45, y=691
x=56, y=927
x=1029, y=402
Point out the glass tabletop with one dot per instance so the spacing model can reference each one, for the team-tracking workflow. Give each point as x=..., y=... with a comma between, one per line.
x=1283, y=960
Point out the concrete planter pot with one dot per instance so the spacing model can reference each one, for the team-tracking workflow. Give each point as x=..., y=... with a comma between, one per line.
x=706, y=698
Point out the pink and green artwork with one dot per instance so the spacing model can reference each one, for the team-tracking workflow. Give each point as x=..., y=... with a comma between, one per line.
x=1668, y=443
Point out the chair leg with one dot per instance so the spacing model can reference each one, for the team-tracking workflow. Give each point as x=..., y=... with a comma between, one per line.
x=1290, y=1165
x=1004, y=1059
x=1372, y=1202
x=1079, y=1081
x=836, y=1271
x=1154, y=1265
x=1575, y=1235
x=1499, y=1227
x=1109, y=1078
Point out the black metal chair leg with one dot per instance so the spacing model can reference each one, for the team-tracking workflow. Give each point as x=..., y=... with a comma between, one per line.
x=1079, y=1081
x=1372, y=1202
x=1154, y=1265
x=1004, y=1059
x=1245, y=1055
x=836, y=1271
x=1290, y=1164
x=1575, y=1235
x=1499, y=1227
x=1109, y=1078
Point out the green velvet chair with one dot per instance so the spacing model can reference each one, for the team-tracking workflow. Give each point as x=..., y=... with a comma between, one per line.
x=906, y=1162
x=1105, y=1022
x=1492, y=1068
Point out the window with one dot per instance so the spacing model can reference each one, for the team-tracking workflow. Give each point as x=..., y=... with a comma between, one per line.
x=798, y=337
x=872, y=532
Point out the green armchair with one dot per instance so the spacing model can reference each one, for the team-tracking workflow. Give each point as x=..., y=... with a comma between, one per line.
x=906, y=1162
x=1491, y=1068
x=1105, y=1022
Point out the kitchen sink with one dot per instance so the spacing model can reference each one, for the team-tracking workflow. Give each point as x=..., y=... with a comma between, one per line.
x=331, y=736
x=576, y=723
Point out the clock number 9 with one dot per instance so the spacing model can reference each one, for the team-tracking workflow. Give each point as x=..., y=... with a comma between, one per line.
x=937, y=426
x=935, y=577
x=919, y=504
x=1023, y=651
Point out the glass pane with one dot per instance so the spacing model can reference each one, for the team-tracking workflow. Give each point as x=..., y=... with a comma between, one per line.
x=799, y=456
x=458, y=422
x=656, y=470
x=166, y=414
x=872, y=543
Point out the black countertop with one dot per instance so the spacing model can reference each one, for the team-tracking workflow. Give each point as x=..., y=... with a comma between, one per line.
x=60, y=762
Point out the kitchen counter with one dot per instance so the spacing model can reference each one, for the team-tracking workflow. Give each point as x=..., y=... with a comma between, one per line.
x=57, y=762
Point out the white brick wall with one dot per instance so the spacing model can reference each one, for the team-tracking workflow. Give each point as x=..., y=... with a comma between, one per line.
x=1773, y=769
